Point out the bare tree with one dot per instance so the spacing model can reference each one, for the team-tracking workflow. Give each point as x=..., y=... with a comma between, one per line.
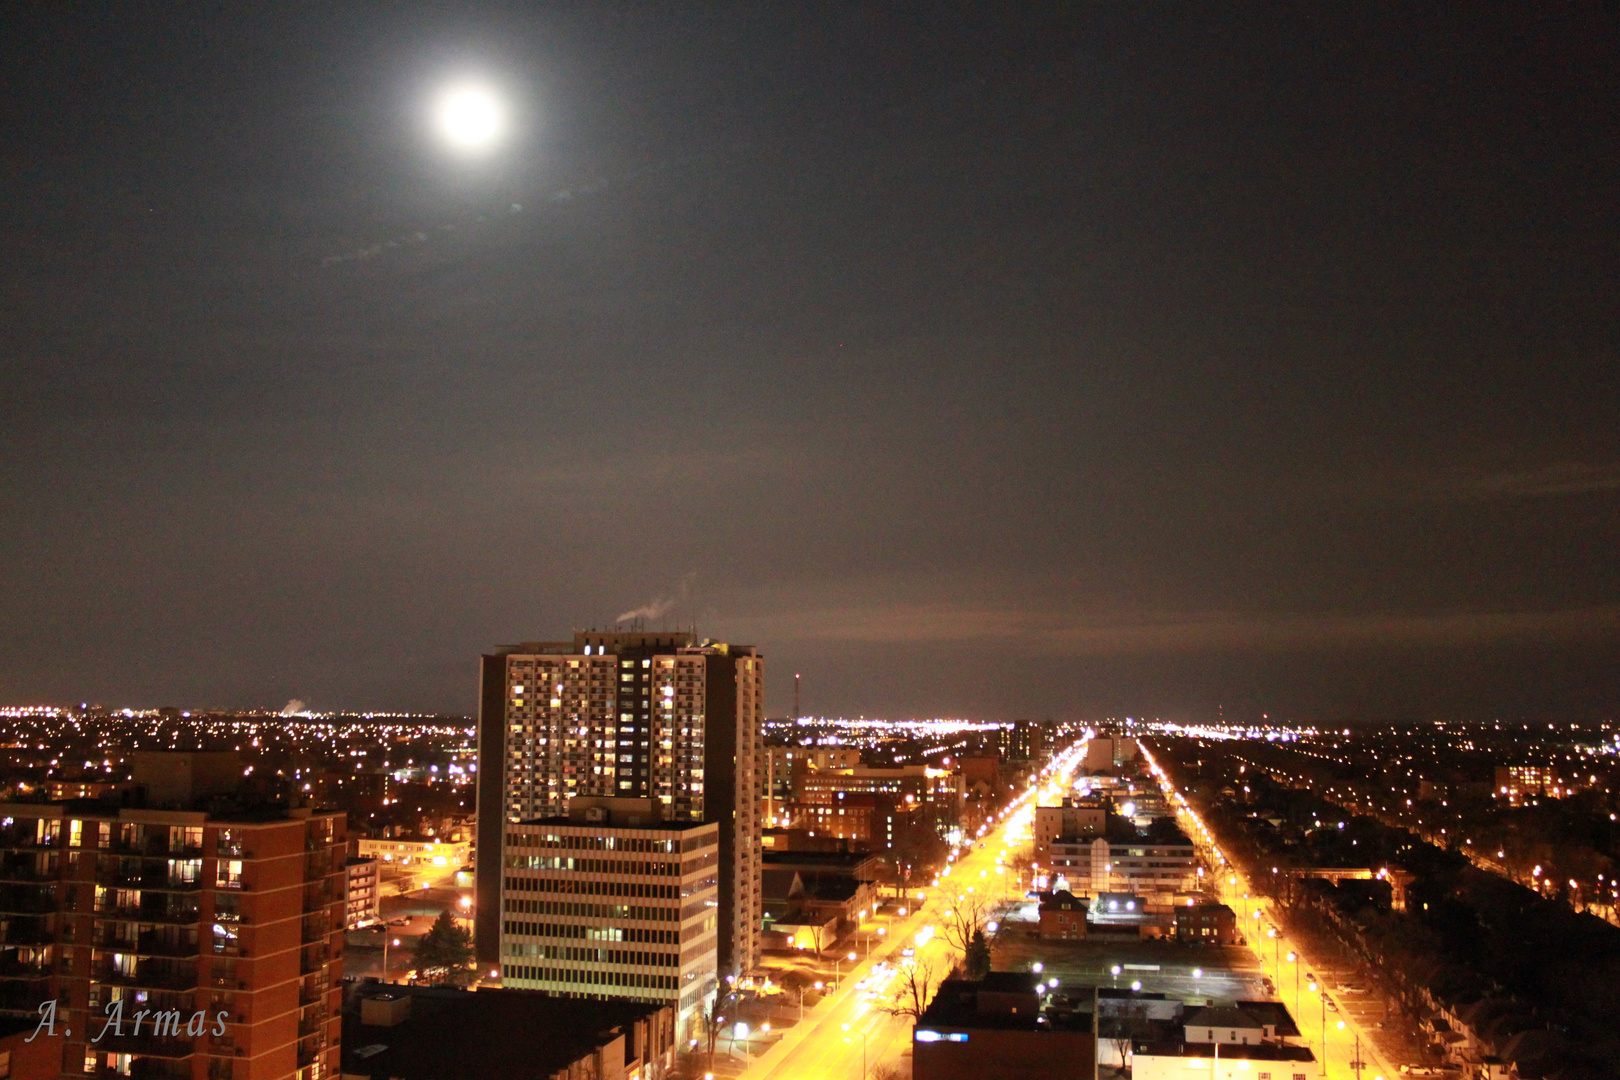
x=711, y=1020
x=913, y=990
x=1123, y=1025
x=962, y=919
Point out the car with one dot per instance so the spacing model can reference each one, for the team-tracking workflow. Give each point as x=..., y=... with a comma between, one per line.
x=1331, y=1007
x=406, y=921
x=1352, y=988
x=908, y=951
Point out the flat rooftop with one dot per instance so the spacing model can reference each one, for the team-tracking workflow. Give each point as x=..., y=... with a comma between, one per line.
x=510, y=1034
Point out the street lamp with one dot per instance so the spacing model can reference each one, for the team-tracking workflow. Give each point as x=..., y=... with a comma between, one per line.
x=1355, y=1062
x=838, y=969
x=385, y=956
x=1312, y=986
x=802, y=989
x=863, y=1050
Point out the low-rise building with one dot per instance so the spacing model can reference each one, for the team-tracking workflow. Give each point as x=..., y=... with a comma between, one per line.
x=418, y=853
x=1223, y=1024
x=1063, y=916
x=438, y=1033
x=1206, y=924
x=1221, y=1061
x=997, y=1027
x=799, y=931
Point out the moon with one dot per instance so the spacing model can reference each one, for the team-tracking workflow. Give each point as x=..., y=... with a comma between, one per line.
x=471, y=118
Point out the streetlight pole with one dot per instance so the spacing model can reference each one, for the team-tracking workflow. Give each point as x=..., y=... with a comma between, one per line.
x=838, y=976
x=1316, y=989
x=863, y=1051
x=385, y=956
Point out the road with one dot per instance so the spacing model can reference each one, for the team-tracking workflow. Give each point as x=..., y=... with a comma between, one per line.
x=849, y=1029
x=1314, y=1011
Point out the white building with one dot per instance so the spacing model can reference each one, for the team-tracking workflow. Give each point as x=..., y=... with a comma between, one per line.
x=611, y=902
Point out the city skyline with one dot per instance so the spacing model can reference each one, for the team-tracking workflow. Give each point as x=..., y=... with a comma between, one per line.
x=809, y=541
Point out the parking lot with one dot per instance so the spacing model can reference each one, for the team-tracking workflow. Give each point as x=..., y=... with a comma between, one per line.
x=1189, y=972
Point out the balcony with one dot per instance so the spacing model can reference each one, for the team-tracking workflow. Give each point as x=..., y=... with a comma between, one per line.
x=12, y=970
x=26, y=839
x=26, y=871
x=312, y=961
x=27, y=900
x=149, y=945
x=144, y=1068
x=146, y=1046
x=316, y=928
x=153, y=849
x=318, y=901
x=128, y=878
x=184, y=914
x=149, y=976
x=24, y=996
x=26, y=931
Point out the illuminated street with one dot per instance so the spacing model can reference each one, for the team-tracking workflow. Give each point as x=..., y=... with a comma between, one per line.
x=1315, y=1011
x=852, y=1022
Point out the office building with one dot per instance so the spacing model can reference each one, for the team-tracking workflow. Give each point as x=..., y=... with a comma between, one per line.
x=1074, y=819
x=187, y=903
x=784, y=764
x=639, y=715
x=1022, y=740
x=611, y=902
x=1156, y=863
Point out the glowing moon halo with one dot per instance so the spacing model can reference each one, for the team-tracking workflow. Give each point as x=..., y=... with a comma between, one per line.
x=469, y=117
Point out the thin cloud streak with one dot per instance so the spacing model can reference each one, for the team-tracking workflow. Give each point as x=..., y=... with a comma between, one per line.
x=1067, y=635
x=1564, y=478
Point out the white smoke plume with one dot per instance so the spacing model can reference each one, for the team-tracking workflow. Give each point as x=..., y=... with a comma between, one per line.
x=293, y=708
x=663, y=605
x=655, y=610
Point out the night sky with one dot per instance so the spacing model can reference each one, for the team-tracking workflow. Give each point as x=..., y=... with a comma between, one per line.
x=992, y=360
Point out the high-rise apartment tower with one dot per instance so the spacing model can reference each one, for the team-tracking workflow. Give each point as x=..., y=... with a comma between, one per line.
x=639, y=715
x=186, y=909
